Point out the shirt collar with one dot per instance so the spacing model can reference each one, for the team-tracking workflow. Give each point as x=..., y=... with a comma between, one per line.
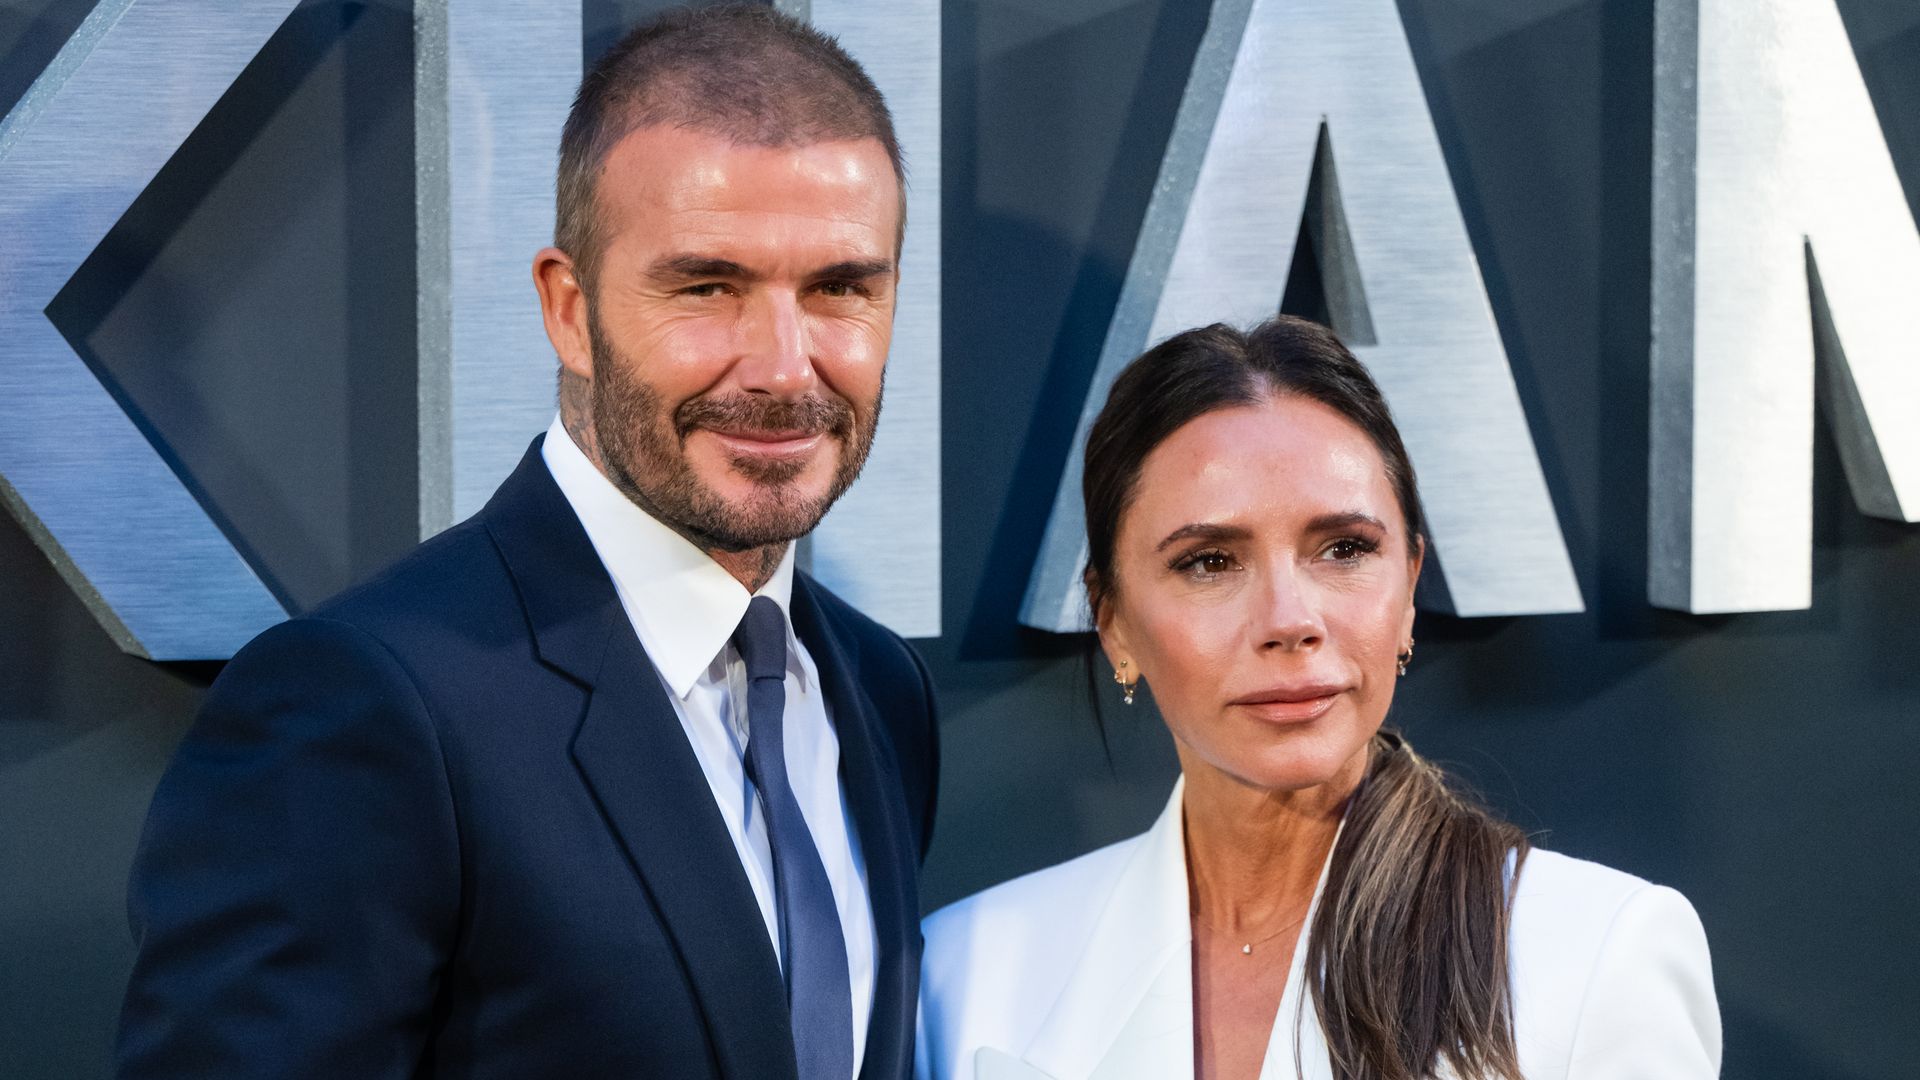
x=682, y=604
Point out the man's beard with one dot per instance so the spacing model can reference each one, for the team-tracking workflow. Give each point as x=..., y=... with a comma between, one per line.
x=644, y=453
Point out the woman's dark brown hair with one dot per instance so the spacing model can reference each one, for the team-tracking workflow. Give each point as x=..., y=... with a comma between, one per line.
x=1410, y=939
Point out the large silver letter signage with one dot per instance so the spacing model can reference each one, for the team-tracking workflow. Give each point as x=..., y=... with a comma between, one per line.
x=492, y=83
x=1780, y=233
x=87, y=138
x=1282, y=91
x=880, y=547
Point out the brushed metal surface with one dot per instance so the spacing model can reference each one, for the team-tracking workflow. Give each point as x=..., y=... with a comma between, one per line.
x=1781, y=233
x=880, y=546
x=493, y=82
x=1217, y=244
x=88, y=136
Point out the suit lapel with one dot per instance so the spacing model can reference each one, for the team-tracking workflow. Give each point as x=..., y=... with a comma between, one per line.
x=634, y=757
x=1298, y=1047
x=1126, y=1011
x=872, y=783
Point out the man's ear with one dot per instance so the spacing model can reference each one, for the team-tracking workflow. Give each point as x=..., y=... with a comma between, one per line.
x=563, y=307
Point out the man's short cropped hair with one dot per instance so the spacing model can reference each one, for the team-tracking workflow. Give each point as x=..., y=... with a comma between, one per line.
x=744, y=72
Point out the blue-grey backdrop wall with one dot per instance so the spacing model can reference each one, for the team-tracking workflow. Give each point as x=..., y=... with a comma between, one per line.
x=255, y=309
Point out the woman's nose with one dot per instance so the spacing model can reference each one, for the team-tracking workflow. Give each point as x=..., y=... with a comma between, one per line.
x=1288, y=618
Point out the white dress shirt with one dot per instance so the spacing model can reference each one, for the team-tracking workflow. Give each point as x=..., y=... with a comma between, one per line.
x=685, y=608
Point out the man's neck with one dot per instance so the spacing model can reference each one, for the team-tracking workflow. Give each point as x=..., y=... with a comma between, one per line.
x=751, y=568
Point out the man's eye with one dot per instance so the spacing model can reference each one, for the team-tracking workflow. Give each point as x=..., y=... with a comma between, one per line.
x=839, y=289
x=705, y=288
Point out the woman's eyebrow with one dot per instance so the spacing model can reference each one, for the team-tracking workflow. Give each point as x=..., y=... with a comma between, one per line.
x=1204, y=531
x=1334, y=522
x=1344, y=520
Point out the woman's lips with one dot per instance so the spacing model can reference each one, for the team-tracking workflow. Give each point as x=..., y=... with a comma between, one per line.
x=1290, y=705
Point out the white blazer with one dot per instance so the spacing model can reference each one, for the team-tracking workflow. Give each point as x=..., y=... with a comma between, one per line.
x=1083, y=971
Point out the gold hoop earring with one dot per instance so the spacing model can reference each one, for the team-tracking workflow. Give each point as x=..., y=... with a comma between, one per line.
x=1126, y=688
x=1405, y=658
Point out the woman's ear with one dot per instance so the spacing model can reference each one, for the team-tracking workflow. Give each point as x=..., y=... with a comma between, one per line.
x=1115, y=646
x=1107, y=624
x=1415, y=561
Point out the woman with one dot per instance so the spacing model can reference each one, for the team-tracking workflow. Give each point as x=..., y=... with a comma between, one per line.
x=1254, y=535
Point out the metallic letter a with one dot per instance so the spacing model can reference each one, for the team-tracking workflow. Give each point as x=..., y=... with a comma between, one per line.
x=1312, y=110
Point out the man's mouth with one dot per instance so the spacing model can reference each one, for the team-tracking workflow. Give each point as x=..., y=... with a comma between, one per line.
x=765, y=444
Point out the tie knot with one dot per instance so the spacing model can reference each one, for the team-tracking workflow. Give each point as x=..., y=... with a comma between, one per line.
x=762, y=640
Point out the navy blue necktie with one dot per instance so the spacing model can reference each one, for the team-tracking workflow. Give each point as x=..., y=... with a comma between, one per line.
x=819, y=998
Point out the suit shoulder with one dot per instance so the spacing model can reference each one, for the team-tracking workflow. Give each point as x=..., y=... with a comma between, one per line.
x=1566, y=905
x=838, y=610
x=875, y=642
x=437, y=613
x=1552, y=870
x=1576, y=896
x=288, y=663
x=436, y=568
x=455, y=581
x=1042, y=906
x=1582, y=932
x=993, y=961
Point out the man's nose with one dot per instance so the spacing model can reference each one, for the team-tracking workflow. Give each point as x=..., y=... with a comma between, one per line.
x=776, y=356
x=1288, y=617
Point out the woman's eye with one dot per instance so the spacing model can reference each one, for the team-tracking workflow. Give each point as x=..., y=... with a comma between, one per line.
x=1205, y=563
x=1349, y=549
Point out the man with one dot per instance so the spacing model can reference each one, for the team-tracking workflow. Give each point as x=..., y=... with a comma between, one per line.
x=596, y=783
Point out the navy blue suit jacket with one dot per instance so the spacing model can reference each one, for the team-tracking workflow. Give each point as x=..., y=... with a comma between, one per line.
x=448, y=825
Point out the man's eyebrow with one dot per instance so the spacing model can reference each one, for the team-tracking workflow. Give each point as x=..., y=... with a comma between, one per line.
x=1202, y=531
x=691, y=267
x=854, y=270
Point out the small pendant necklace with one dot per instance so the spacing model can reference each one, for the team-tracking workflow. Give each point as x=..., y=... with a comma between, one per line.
x=1246, y=948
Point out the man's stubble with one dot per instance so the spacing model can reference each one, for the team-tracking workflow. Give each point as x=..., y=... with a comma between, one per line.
x=643, y=452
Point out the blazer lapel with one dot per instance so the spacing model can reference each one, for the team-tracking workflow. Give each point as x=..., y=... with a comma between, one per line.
x=872, y=782
x=634, y=757
x=1126, y=1012
x=1298, y=1047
